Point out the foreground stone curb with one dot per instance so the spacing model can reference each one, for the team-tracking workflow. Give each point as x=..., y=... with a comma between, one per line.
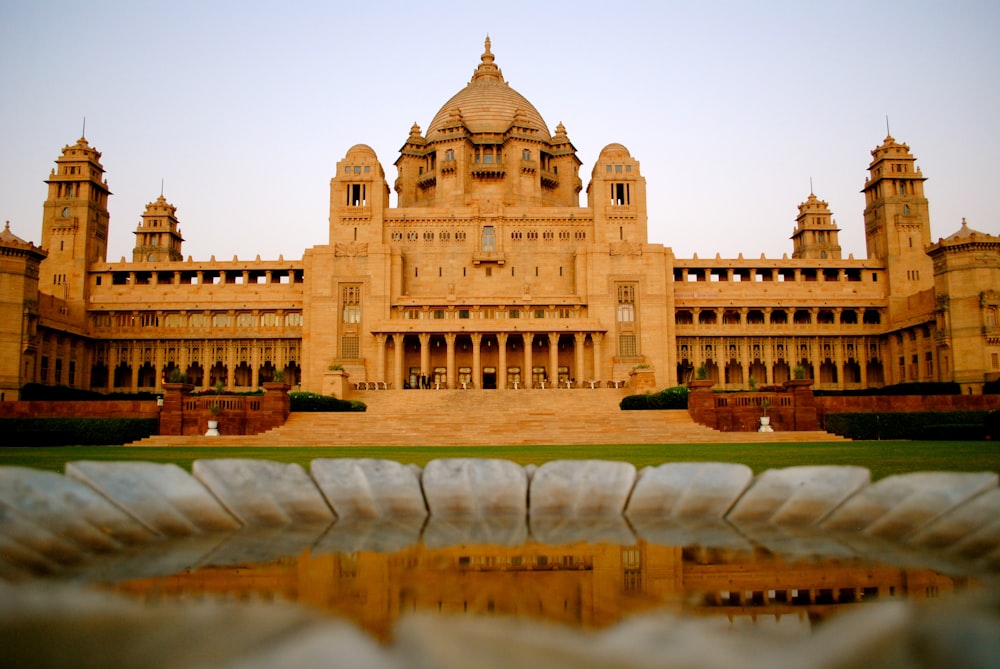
x=164, y=498
x=260, y=492
x=48, y=522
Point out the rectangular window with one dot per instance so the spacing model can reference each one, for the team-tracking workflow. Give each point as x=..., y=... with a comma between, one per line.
x=43, y=372
x=514, y=313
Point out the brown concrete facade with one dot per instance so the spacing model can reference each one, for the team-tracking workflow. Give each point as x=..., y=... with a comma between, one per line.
x=489, y=273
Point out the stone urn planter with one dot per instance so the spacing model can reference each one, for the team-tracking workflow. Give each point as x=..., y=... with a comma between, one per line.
x=765, y=424
x=213, y=428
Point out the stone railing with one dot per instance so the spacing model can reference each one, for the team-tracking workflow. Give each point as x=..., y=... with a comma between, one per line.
x=793, y=409
x=57, y=524
x=185, y=414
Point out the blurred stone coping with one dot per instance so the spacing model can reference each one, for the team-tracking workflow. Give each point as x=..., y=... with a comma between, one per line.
x=112, y=518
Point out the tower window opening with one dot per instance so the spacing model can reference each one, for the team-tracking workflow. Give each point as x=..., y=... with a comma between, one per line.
x=356, y=195
x=620, y=194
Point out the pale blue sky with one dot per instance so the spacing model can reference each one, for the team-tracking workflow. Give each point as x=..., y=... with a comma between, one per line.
x=244, y=108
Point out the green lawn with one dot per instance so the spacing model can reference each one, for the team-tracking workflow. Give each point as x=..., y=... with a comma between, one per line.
x=883, y=458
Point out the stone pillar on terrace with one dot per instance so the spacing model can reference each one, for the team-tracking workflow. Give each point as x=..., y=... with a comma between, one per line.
x=477, y=359
x=452, y=377
x=554, y=359
x=425, y=354
x=502, y=361
x=579, y=339
x=398, y=348
x=526, y=375
x=380, y=341
x=701, y=403
x=597, y=338
x=172, y=411
x=804, y=403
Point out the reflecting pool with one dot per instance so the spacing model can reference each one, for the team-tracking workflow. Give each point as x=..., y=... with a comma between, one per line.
x=581, y=584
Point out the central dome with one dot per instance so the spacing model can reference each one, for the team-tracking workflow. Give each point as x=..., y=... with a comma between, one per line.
x=487, y=105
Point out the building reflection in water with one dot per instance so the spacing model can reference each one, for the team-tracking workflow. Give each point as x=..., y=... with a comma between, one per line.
x=585, y=585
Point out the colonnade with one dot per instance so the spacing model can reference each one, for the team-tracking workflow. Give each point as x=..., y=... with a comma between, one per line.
x=501, y=360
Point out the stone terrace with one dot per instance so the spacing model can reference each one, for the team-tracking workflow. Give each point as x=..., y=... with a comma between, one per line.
x=470, y=418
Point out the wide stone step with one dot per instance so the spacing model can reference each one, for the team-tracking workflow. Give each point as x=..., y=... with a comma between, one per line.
x=487, y=418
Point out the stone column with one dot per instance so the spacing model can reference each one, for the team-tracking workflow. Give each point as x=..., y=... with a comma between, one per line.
x=502, y=361
x=380, y=356
x=529, y=342
x=452, y=376
x=136, y=359
x=579, y=340
x=554, y=358
x=477, y=359
x=597, y=338
x=425, y=354
x=255, y=365
x=398, y=349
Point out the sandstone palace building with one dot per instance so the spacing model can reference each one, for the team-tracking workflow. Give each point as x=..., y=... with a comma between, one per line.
x=489, y=273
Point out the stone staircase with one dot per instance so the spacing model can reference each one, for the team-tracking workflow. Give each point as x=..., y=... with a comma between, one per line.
x=487, y=418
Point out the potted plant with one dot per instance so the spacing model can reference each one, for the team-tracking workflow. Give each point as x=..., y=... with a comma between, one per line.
x=765, y=420
x=279, y=376
x=213, y=423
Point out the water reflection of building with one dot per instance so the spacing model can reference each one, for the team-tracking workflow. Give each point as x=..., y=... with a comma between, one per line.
x=584, y=585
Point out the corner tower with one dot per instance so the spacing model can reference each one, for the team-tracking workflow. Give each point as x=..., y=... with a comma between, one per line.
x=897, y=221
x=74, y=224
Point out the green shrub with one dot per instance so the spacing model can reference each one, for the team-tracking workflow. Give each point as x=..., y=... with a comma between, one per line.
x=75, y=431
x=929, y=425
x=669, y=398
x=993, y=425
x=314, y=402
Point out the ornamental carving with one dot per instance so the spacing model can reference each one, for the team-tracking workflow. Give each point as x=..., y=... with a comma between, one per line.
x=351, y=249
x=989, y=298
x=625, y=249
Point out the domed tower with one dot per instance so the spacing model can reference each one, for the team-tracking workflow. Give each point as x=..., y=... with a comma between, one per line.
x=617, y=195
x=487, y=144
x=158, y=237
x=815, y=235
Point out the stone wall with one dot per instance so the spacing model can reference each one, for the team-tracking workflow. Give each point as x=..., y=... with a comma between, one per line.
x=79, y=409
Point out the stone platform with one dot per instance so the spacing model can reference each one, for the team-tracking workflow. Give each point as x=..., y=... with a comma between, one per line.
x=488, y=417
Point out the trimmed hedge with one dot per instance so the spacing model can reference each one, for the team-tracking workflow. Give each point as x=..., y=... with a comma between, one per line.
x=314, y=402
x=37, y=391
x=75, y=431
x=949, y=425
x=668, y=398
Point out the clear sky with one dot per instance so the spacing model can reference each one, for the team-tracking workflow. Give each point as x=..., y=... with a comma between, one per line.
x=243, y=108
